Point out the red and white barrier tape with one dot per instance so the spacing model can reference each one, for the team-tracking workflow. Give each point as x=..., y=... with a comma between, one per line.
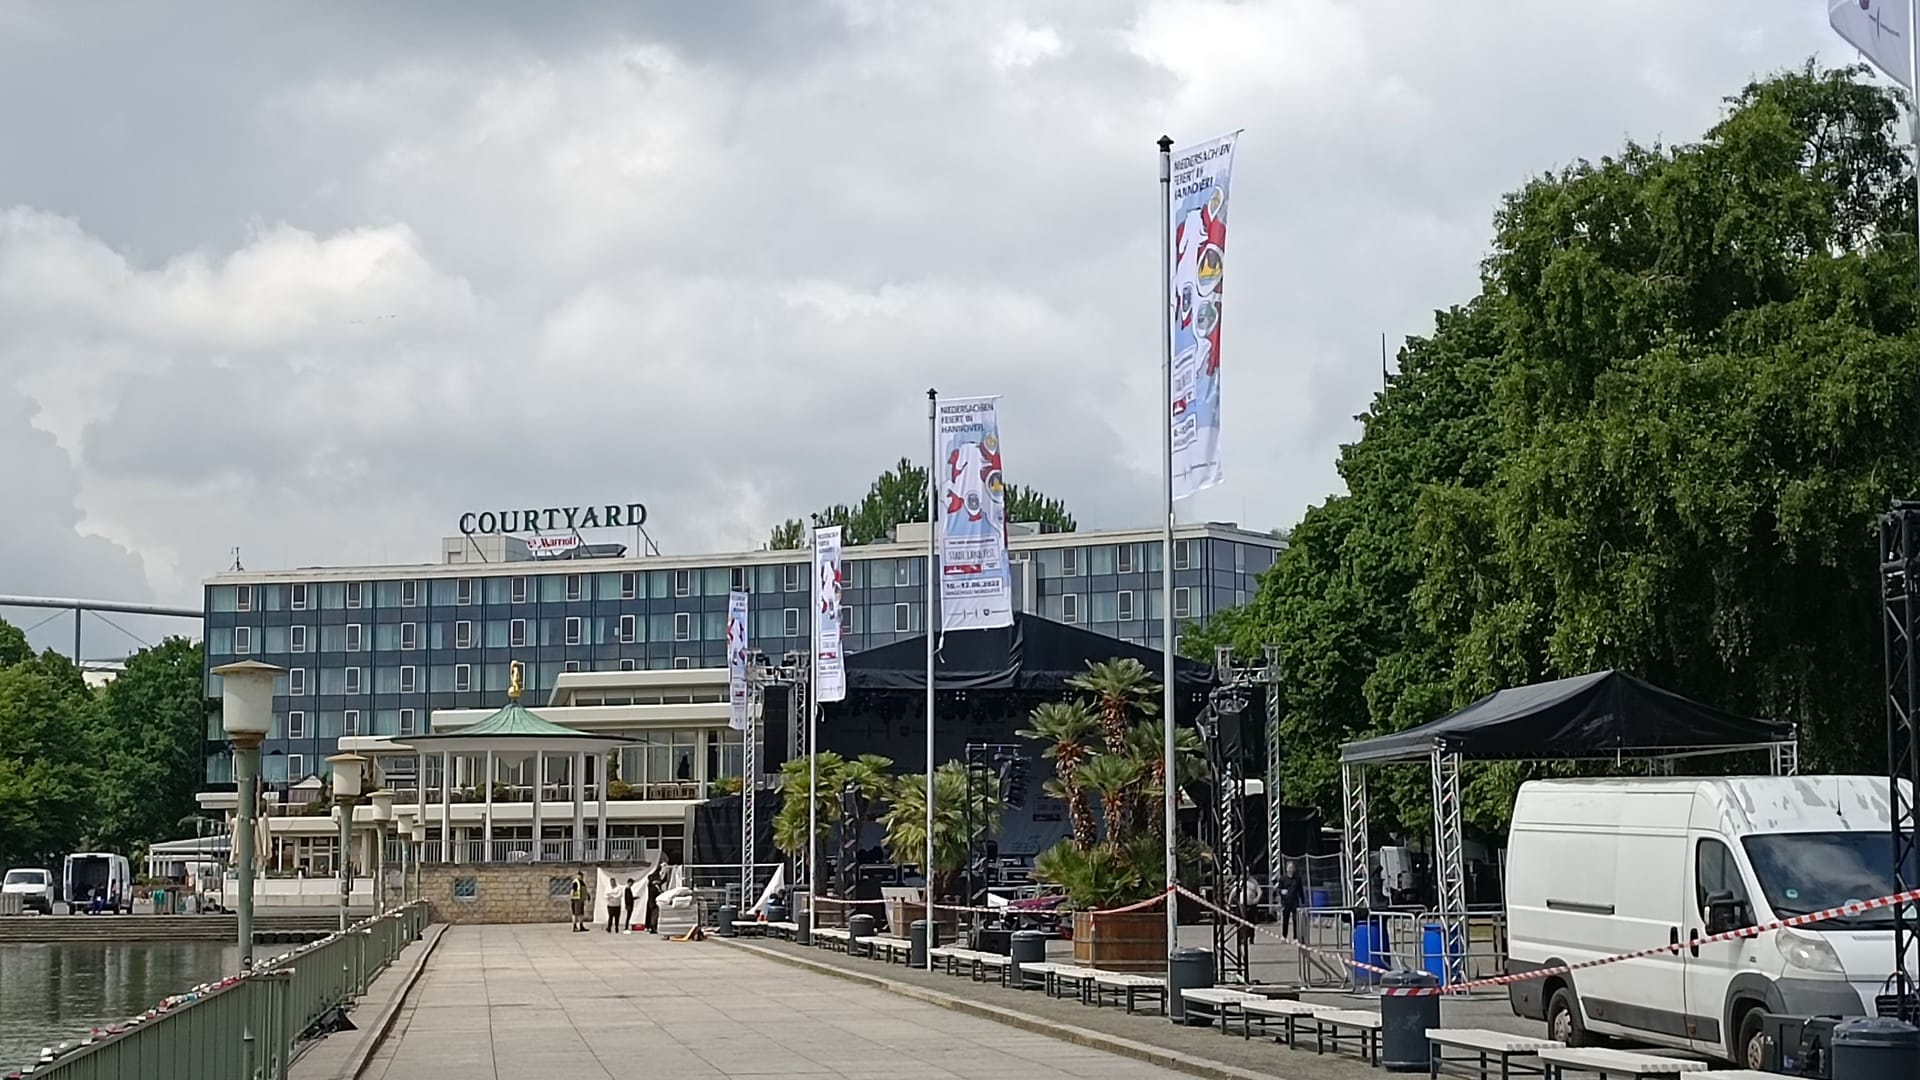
x=1855, y=908
x=1147, y=903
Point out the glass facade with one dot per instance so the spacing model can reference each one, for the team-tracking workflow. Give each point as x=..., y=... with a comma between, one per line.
x=378, y=657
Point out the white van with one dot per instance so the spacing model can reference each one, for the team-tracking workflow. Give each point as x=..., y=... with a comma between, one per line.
x=1601, y=867
x=88, y=874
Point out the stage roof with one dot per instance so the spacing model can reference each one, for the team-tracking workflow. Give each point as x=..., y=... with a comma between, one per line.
x=1034, y=654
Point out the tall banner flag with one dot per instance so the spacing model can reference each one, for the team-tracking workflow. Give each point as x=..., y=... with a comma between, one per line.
x=1197, y=222
x=829, y=668
x=1879, y=29
x=737, y=718
x=976, y=583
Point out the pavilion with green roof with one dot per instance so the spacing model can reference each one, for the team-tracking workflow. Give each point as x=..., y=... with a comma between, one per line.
x=510, y=736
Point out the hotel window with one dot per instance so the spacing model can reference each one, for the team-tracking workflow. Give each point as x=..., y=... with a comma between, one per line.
x=1182, y=603
x=629, y=585
x=570, y=665
x=683, y=583
x=576, y=587
x=903, y=572
x=297, y=682
x=409, y=594
x=296, y=639
x=242, y=640
x=463, y=592
x=463, y=634
x=1126, y=604
x=463, y=677
x=519, y=590
x=793, y=622
x=629, y=626
x=1124, y=559
x=243, y=598
x=1179, y=556
x=682, y=663
x=353, y=721
x=793, y=577
x=352, y=681
x=517, y=633
x=627, y=664
x=296, y=768
x=299, y=596
x=1070, y=608
x=296, y=725
x=573, y=630
x=353, y=594
x=355, y=631
x=406, y=721
x=1069, y=562
x=409, y=636
x=409, y=678
x=737, y=580
x=902, y=618
x=682, y=626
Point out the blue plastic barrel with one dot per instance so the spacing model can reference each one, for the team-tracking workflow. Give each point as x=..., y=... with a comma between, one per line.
x=1433, y=950
x=1319, y=898
x=1369, y=947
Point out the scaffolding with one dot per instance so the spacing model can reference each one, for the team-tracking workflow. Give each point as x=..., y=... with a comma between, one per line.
x=1900, y=581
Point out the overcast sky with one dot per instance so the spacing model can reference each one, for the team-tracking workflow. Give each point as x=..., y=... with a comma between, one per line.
x=309, y=280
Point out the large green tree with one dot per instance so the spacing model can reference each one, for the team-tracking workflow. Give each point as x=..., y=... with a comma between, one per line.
x=153, y=718
x=48, y=764
x=899, y=495
x=1655, y=441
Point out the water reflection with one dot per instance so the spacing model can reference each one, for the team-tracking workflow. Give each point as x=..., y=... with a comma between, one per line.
x=53, y=992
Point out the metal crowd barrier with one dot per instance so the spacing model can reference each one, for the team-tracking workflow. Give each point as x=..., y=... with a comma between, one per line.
x=247, y=1027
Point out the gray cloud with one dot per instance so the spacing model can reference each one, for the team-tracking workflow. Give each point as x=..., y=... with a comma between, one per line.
x=312, y=280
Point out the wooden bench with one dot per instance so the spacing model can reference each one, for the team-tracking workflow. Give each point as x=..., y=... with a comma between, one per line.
x=1061, y=976
x=1487, y=1052
x=974, y=962
x=1267, y=1010
x=833, y=938
x=1022, y=976
x=1125, y=987
x=1612, y=1064
x=1210, y=1003
x=892, y=949
x=786, y=930
x=1335, y=1026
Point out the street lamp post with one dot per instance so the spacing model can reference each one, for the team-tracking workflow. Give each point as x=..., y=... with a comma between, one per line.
x=246, y=712
x=403, y=832
x=382, y=801
x=348, y=770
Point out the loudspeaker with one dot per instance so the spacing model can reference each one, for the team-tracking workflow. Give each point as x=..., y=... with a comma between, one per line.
x=775, y=726
x=1232, y=734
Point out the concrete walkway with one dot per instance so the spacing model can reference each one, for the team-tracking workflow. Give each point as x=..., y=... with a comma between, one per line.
x=518, y=1001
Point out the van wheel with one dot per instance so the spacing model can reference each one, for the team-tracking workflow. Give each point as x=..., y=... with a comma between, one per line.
x=1563, y=1019
x=1753, y=1047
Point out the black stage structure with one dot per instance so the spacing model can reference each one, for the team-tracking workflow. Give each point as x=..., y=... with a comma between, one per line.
x=1899, y=593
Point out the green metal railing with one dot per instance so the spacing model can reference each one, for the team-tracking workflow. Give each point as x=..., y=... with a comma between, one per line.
x=245, y=1027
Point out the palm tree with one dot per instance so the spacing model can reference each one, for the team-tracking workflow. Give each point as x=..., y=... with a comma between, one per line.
x=1120, y=688
x=1145, y=741
x=790, y=823
x=1065, y=727
x=1115, y=778
x=906, y=821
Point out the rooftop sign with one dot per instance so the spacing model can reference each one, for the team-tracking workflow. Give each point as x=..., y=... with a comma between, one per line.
x=553, y=519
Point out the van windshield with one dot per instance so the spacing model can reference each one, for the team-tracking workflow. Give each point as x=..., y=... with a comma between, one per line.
x=1802, y=873
x=26, y=877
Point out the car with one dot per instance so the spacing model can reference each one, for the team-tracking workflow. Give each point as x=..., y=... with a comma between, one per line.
x=33, y=886
x=1601, y=868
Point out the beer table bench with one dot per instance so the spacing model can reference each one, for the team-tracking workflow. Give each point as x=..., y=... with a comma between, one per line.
x=976, y=963
x=1265, y=1011
x=833, y=938
x=1211, y=1003
x=1486, y=1053
x=1061, y=976
x=1124, y=987
x=1337, y=1025
x=892, y=949
x=787, y=930
x=1611, y=1064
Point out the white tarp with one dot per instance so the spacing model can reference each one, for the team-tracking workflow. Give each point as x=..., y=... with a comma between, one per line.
x=776, y=885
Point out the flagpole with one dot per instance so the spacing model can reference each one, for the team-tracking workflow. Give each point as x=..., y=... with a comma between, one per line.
x=933, y=624
x=812, y=721
x=1172, y=793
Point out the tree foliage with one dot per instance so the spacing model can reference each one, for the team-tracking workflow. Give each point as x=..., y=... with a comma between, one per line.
x=900, y=495
x=1656, y=440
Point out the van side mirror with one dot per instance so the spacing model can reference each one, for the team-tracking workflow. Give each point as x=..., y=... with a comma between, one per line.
x=1725, y=913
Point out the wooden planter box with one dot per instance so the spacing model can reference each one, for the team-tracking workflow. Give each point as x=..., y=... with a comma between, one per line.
x=831, y=915
x=902, y=914
x=1134, y=941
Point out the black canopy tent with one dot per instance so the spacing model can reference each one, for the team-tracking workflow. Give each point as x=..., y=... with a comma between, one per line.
x=1603, y=715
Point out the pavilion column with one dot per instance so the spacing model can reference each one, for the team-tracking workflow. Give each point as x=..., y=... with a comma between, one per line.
x=420, y=781
x=446, y=806
x=486, y=817
x=578, y=775
x=600, y=780
x=539, y=796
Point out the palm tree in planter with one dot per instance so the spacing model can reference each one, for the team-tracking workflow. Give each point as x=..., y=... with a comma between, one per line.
x=1146, y=743
x=906, y=822
x=1066, y=726
x=1120, y=689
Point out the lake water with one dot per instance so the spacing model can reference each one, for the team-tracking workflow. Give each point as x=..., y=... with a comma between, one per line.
x=50, y=993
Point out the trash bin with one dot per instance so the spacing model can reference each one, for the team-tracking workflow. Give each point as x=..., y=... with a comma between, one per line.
x=1404, y=1021
x=1026, y=947
x=1875, y=1048
x=724, y=921
x=803, y=932
x=858, y=926
x=1187, y=969
x=917, y=952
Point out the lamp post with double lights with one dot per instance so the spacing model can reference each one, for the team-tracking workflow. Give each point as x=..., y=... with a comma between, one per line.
x=382, y=801
x=348, y=772
x=246, y=713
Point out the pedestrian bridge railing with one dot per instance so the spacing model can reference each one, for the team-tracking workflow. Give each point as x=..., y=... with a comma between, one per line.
x=246, y=1027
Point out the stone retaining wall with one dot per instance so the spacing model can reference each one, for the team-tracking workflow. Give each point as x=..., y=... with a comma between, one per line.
x=515, y=892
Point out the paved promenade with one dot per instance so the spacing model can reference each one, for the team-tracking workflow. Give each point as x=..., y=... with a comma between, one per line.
x=519, y=1001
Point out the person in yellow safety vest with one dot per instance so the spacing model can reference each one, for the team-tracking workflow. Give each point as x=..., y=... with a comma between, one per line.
x=579, y=902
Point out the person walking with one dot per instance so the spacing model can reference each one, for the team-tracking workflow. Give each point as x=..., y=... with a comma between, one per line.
x=612, y=902
x=1290, y=890
x=579, y=902
x=655, y=881
x=626, y=896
